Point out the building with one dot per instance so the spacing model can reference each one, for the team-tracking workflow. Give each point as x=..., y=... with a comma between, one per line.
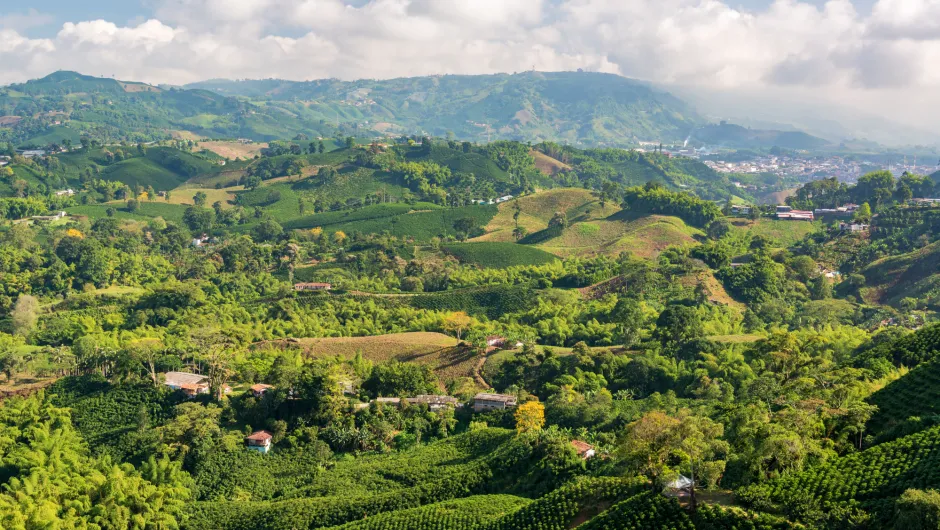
x=190, y=384
x=783, y=209
x=584, y=449
x=54, y=217
x=483, y=402
x=313, y=286
x=842, y=211
x=65, y=193
x=925, y=202
x=259, y=441
x=795, y=215
x=433, y=402
x=260, y=389
x=853, y=227
x=738, y=209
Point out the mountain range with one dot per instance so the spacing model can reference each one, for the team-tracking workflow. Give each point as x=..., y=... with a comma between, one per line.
x=577, y=108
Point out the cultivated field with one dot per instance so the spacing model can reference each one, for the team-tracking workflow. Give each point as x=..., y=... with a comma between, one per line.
x=233, y=150
x=436, y=350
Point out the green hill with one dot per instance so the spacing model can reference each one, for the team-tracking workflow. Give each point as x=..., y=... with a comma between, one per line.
x=593, y=108
x=911, y=275
x=498, y=255
x=164, y=168
x=729, y=135
x=871, y=480
x=908, y=401
x=117, y=110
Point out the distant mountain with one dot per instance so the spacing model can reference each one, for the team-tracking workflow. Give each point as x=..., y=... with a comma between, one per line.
x=573, y=107
x=66, y=105
x=726, y=134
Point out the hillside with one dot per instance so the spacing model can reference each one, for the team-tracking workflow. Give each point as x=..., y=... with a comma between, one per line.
x=726, y=134
x=587, y=108
x=439, y=352
x=868, y=479
x=915, y=274
x=118, y=110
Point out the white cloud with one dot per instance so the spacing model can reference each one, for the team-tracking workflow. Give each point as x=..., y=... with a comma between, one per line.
x=891, y=52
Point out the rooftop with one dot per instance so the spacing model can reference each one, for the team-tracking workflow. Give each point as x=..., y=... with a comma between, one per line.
x=494, y=397
x=259, y=436
x=184, y=378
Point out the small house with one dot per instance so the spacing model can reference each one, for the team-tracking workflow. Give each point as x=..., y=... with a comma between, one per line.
x=190, y=384
x=584, y=449
x=259, y=441
x=313, y=286
x=483, y=402
x=435, y=402
x=260, y=389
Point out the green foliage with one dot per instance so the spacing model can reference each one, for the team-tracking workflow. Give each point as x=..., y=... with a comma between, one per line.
x=871, y=479
x=493, y=301
x=461, y=514
x=498, y=255
x=649, y=511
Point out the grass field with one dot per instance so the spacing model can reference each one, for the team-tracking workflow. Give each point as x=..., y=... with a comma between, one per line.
x=233, y=150
x=147, y=210
x=642, y=236
x=184, y=196
x=783, y=233
x=538, y=209
x=496, y=254
x=547, y=164
x=435, y=350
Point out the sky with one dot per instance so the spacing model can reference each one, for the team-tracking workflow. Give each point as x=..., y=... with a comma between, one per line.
x=870, y=54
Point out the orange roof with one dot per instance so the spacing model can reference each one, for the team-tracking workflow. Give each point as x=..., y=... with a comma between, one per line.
x=259, y=387
x=259, y=436
x=581, y=447
x=192, y=387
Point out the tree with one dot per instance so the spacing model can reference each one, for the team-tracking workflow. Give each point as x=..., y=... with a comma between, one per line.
x=146, y=352
x=25, y=314
x=320, y=147
x=863, y=213
x=199, y=199
x=133, y=205
x=718, y=228
x=110, y=211
x=519, y=232
x=559, y=220
x=457, y=322
x=350, y=142
x=530, y=417
x=918, y=510
x=216, y=350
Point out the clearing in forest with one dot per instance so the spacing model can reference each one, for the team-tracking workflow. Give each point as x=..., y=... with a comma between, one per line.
x=233, y=150
x=547, y=164
x=441, y=352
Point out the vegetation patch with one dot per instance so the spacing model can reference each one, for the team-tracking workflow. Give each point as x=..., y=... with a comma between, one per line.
x=497, y=254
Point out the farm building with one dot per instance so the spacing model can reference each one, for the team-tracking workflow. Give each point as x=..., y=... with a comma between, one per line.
x=853, y=227
x=259, y=441
x=483, y=402
x=433, y=402
x=584, y=449
x=190, y=384
x=313, y=286
x=795, y=215
x=260, y=389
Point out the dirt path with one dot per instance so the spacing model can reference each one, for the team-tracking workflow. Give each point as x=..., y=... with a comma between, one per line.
x=478, y=372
